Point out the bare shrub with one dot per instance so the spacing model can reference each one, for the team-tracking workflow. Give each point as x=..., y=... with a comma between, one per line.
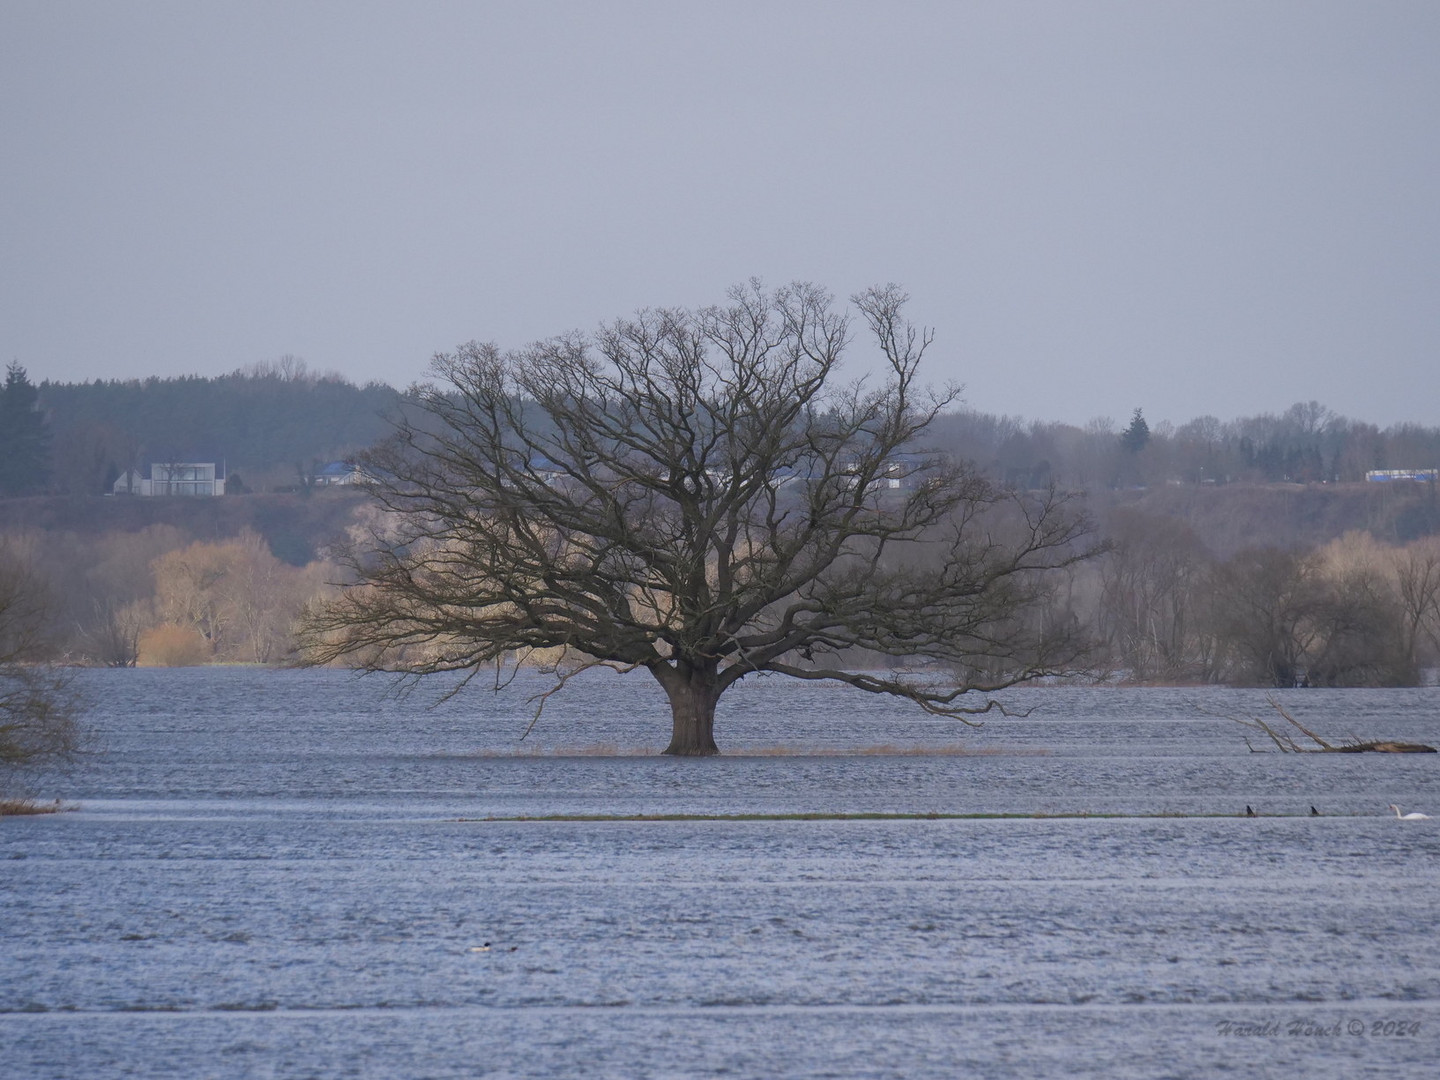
x=168, y=645
x=39, y=708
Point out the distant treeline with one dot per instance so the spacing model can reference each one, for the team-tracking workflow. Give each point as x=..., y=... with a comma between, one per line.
x=270, y=424
x=1308, y=443
x=273, y=423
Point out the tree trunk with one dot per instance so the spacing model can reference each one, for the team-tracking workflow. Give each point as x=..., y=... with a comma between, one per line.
x=693, y=692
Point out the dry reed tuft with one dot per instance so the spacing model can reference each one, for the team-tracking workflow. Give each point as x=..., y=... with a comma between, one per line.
x=18, y=807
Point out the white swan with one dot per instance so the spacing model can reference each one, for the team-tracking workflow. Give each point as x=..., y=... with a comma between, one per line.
x=1412, y=816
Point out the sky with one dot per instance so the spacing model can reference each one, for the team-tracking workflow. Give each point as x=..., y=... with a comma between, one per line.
x=1193, y=208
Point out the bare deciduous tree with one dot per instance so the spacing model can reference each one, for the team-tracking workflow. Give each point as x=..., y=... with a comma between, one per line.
x=236, y=595
x=1328, y=617
x=694, y=494
x=38, y=709
x=1154, y=581
x=1417, y=571
x=1264, y=603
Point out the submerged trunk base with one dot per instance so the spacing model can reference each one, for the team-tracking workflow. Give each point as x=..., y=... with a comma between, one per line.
x=693, y=736
x=692, y=713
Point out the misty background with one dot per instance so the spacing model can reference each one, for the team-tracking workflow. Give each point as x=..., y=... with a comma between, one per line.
x=1198, y=208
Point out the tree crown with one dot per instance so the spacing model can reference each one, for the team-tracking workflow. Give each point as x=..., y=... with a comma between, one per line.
x=697, y=494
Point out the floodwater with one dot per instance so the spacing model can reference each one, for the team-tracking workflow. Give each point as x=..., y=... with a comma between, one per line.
x=289, y=874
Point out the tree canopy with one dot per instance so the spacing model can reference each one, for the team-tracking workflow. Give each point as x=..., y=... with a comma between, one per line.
x=696, y=493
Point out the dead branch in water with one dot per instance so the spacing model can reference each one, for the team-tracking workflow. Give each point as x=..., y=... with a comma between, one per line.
x=1288, y=744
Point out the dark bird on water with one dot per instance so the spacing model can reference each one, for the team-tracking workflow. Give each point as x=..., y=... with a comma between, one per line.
x=1250, y=813
x=1314, y=812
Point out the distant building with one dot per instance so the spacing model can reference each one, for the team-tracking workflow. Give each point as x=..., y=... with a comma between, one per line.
x=338, y=473
x=1386, y=475
x=172, y=478
x=908, y=471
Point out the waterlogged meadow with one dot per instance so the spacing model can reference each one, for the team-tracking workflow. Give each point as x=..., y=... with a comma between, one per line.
x=295, y=874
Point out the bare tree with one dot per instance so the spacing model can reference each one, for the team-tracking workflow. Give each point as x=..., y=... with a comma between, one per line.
x=38, y=708
x=112, y=636
x=691, y=493
x=1332, y=617
x=1154, y=579
x=108, y=591
x=263, y=597
x=1264, y=605
x=1366, y=637
x=1417, y=571
x=190, y=590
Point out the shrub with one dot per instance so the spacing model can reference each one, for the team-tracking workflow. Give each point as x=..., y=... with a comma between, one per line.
x=168, y=645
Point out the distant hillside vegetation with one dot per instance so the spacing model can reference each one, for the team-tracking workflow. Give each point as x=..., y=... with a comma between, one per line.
x=1225, y=518
x=1231, y=517
x=270, y=424
x=298, y=529
x=274, y=424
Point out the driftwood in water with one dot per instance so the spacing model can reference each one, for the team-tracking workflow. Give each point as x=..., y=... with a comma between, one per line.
x=1381, y=748
x=1288, y=744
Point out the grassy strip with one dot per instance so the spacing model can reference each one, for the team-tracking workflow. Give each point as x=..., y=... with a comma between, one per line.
x=868, y=816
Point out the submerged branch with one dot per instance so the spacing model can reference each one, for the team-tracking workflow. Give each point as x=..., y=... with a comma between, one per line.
x=1288, y=744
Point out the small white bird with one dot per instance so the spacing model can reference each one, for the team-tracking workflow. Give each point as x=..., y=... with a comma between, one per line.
x=1412, y=816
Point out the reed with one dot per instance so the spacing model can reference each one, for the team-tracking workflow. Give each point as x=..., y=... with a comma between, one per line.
x=18, y=807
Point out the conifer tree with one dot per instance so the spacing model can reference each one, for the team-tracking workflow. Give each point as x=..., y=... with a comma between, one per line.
x=24, y=437
x=1137, y=435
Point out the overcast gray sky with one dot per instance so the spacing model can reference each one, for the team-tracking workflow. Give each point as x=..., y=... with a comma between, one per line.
x=1192, y=207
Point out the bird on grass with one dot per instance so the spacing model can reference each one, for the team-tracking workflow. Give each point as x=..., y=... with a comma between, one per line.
x=1414, y=815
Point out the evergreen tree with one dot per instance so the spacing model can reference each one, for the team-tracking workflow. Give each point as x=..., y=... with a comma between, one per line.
x=24, y=436
x=1136, y=435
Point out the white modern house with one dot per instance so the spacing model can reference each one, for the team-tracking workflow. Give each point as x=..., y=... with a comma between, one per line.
x=173, y=478
x=1382, y=476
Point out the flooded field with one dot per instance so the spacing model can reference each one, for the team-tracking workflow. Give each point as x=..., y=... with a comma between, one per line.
x=292, y=874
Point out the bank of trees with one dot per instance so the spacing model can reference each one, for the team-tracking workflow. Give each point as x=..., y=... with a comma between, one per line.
x=232, y=601
x=1160, y=604
x=1351, y=613
x=273, y=422
x=1308, y=443
x=158, y=596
